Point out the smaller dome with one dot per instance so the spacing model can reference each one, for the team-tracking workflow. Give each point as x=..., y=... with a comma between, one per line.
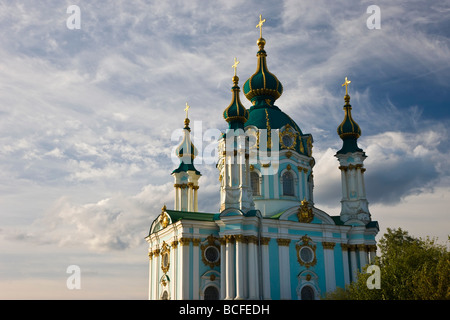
x=235, y=113
x=262, y=84
x=349, y=131
x=186, y=151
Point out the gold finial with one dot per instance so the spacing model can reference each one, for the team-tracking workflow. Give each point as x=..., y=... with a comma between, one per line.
x=260, y=24
x=186, y=109
x=346, y=83
x=234, y=66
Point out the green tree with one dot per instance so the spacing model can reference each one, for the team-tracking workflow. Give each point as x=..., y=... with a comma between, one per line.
x=411, y=269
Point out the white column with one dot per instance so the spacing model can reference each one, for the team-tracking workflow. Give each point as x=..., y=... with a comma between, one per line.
x=157, y=264
x=285, y=278
x=240, y=268
x=362, y=255
x=344, y=183
x=184, y=198
x=196, y=198
x=230, y=268
x=353, y=265
x=276, y=183
x=301, y=190
x=150, y=273
x=265, y=268
x=266, y=186
x=253, y=274
x=372, y=253
x=184, y=266
x=345, y=263
x=360, y=187
x=223, y=277
x=177, y=192
x=195, y=271
x=174, y=255
x=330, y=274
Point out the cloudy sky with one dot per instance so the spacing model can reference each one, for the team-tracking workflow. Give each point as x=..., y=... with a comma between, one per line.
x=89, y=118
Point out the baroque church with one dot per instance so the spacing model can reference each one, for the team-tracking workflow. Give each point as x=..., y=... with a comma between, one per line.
x=267, y=240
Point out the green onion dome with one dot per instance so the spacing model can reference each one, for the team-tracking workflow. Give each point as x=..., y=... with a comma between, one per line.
x=262, y=85
x=349, y=131
x=235, y=114
x=186, y=151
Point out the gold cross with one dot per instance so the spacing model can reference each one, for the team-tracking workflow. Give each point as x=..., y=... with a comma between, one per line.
x=346, y=83
x=186, y=109
x=234, y=66
x=259, y=25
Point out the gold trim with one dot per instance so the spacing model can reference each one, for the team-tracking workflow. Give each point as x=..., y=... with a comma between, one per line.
x=287, y=132
x=361, y=247
x=284, y=242
x=211, y=241
x=165, y=251
x=328, y=245
x=184, y=241
x=252, y=239
x=306, y=244
x=305, y=213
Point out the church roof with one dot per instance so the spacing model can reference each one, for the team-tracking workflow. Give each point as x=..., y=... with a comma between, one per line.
x=187, y=215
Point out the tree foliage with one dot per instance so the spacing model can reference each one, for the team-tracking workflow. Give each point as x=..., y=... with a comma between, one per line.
x=411, y=269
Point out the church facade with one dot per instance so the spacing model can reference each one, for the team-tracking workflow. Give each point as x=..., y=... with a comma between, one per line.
x=267, y=240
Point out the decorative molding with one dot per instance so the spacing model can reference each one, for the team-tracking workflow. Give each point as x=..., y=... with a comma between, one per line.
x=306, y=243
x=305, y=213
x=328, y=245
x=184, y=241
x=265, y=241
x=165, y=258
x=210, y=241
x=284, y=242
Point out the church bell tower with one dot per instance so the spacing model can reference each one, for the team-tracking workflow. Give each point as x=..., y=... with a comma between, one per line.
x=354, y=204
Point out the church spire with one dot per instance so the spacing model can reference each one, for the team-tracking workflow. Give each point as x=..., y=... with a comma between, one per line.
x=186, y=175
x=234, y=166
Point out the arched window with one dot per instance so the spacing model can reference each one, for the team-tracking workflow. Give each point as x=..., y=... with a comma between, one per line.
x=211, y=293
x=288, y=184
x=254, y=180
x=307, y=293
x=165, y=295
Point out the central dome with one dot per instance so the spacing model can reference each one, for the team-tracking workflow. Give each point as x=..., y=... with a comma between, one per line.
x=262, y=85
x=262, y=89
